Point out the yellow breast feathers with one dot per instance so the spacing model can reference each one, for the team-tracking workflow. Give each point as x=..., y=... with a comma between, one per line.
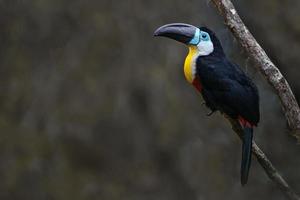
x=190, y=64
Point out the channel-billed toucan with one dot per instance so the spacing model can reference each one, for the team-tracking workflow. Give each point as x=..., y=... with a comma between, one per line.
x=223, y=85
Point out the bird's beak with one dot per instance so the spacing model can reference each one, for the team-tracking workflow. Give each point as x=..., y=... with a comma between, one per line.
x=178, y=31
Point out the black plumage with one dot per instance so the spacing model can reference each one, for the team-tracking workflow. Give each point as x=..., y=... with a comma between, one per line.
x=227, y=88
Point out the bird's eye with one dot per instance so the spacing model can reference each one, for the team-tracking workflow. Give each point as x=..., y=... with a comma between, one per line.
x=204, y=36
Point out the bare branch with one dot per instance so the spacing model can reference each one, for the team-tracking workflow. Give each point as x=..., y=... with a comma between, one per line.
x=264, y=64
x=266, y=163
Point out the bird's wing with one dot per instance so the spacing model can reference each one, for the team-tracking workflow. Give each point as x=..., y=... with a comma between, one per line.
x=231, y=90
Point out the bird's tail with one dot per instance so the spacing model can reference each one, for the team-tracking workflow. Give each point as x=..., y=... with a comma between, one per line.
x=246, y=154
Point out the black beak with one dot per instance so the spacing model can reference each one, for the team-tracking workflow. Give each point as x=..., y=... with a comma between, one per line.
x=178, y=31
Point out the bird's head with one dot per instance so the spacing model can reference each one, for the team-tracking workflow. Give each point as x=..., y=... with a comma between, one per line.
x=203, y=39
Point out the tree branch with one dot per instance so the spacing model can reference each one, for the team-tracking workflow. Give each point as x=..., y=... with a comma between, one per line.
x=264, y=64
x=275, y=79
x=265, y=163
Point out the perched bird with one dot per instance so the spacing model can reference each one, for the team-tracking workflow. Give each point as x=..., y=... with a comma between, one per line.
x=223, y=85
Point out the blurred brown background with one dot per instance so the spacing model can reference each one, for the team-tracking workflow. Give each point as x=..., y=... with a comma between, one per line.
x=94, y=107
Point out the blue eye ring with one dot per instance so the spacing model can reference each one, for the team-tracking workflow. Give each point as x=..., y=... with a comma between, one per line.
x=204, y=36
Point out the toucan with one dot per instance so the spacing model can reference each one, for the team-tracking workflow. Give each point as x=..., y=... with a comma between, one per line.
x=223, y=85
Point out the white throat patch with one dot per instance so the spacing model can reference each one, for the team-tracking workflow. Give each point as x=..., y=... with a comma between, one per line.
x=205, y=48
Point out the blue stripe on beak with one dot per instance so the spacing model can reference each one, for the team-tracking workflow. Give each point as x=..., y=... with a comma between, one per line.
x=196, y=38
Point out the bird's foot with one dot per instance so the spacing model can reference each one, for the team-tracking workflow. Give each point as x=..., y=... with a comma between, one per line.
x=210, y=113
